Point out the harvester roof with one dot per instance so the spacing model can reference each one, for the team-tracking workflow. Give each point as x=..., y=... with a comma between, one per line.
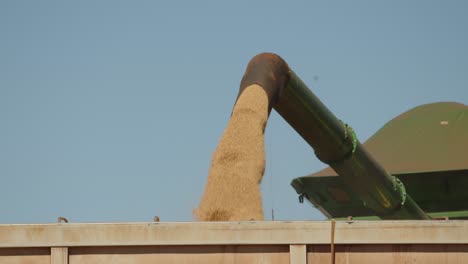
x=430, y=137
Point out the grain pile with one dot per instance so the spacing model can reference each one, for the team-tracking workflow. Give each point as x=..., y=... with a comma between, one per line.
x=232, y=192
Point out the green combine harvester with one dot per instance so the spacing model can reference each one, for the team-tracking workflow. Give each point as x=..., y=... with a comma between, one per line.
x=426, y=148
x=415, y=167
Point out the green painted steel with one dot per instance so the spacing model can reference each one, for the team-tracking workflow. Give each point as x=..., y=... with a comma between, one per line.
x=434, y=192
x=335, y=144
x=451, y=215
x=426, y=148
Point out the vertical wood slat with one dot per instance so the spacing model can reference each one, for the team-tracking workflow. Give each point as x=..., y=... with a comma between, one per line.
x=297, y=254
x=59, y=255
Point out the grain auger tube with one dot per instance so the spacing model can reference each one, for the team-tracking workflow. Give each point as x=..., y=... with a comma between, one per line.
x=333, y=141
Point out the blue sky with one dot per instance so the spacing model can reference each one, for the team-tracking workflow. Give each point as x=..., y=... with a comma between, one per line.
x=110, y=110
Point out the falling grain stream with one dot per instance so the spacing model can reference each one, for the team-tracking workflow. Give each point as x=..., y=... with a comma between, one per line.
x=232, y=192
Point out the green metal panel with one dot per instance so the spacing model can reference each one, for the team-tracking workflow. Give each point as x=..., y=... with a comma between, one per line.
x=437, y=193
x=452, y=215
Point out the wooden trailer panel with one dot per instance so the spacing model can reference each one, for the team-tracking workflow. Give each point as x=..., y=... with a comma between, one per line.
x=237, y=242
x=390, y=254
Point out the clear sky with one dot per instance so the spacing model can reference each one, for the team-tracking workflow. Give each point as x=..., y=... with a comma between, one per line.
x=110, y=110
